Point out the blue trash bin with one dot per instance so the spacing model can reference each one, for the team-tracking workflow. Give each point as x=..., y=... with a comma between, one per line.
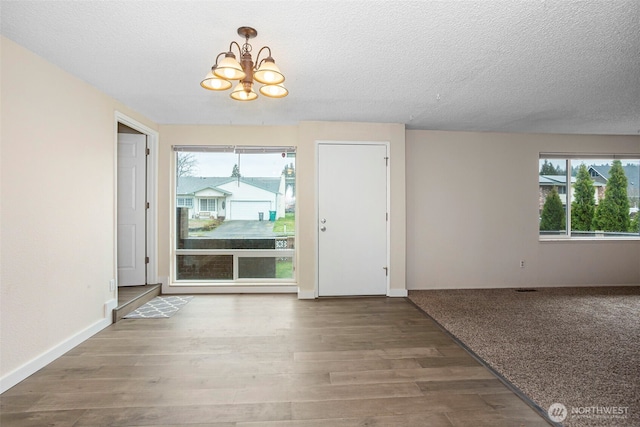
x=272, y=215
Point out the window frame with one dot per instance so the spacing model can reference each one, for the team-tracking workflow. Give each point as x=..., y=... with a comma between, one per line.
x=208, y=201
x=281, y=251
x=568, y=158
x=184, y=204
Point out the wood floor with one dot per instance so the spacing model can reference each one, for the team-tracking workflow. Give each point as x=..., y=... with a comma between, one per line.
x=269, y=360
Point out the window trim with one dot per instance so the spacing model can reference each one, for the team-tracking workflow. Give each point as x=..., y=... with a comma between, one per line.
x=209, y=200
x=184, y=205
x=235, y=284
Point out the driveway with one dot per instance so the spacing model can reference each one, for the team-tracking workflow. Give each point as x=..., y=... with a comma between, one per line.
x=242, y=229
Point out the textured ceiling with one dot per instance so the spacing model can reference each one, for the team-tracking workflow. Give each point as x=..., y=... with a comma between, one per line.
x=555, y=66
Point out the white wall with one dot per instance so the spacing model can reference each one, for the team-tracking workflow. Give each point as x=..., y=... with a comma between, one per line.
x=58, y=210
x=472, y=214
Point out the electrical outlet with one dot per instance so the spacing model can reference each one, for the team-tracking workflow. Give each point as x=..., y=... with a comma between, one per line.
x=521, y=263
x=112, y=285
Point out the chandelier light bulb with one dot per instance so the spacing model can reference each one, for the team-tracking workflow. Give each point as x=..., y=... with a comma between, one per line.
x=229, y=68
x=240, y=94
x=212, y=82
x=269, y=73
x=274, y=91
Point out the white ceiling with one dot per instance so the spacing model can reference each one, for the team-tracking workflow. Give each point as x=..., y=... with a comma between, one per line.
x=551, y=66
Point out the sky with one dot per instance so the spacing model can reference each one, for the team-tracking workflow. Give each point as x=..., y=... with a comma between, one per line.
x=576, y=162
x=251, y=165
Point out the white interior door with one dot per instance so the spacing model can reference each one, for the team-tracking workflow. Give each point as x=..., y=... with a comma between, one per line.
x=352, y=219
x=132, y=267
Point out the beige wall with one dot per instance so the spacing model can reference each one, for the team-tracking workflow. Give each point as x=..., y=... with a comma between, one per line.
x=472, y=214
x=58, y=217
x=464, y=218
x=303, y=137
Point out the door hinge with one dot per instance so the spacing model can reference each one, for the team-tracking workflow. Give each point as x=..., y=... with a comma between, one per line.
x=147, y=205
x=146, y=260
x=386, y=270
x=386, y=161
x=387, y=215
x=148, y=151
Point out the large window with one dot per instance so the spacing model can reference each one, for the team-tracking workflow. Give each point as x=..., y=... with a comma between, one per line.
x=241, y=227
x=588, y=196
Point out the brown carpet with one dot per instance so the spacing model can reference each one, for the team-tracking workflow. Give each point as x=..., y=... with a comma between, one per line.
x=575, y=346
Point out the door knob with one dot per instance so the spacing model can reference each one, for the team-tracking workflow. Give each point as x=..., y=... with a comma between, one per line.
x=323, y=228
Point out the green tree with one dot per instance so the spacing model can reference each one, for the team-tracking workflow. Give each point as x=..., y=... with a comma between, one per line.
x=236, y=171
x=583, y=206
x=612, y=214
x=547, y=169
x=289, y=170
x=635, y=224
x=553, y=216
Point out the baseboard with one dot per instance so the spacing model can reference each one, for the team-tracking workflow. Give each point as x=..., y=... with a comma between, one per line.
x=394, y=293
x=31, y=367
x=398, y=293
x=306, y=294
x=109, y=306
x=230, y=289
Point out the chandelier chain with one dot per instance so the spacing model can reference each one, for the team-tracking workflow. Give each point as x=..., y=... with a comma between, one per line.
x=246, y=47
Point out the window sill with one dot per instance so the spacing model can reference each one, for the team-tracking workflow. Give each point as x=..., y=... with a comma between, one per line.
x=588, y=239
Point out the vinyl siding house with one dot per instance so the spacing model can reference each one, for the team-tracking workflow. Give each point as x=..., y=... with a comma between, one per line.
x=547, y=182
x=231, y=198
x=600, y=174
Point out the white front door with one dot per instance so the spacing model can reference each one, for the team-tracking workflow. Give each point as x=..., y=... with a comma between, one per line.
x=352, y=219
x=132, y=267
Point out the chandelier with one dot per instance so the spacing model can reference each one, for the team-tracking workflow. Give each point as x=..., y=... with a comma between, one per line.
x=264, y=71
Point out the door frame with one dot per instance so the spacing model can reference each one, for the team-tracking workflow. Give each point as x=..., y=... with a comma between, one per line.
x=152, y=196
x=317, y=205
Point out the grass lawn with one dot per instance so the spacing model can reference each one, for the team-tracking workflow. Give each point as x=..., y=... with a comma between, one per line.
x=286, y=225
x=284, y=268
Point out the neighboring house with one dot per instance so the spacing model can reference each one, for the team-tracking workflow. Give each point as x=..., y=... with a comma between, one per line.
x=600, y=176
x=632, y=172
x=231, y=198
x=547, y=182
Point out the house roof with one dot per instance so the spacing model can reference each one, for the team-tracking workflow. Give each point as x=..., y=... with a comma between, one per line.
x=266, y=183
x=560, y=180
x=193, y=184
x=631, y=172
x=553, y=66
